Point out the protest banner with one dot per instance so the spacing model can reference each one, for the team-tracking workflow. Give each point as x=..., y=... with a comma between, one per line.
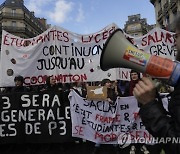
x=67, y=56
x=71, y=57
x=157, y=42
x=50, y=118
x=34, y=118
x=105, y=123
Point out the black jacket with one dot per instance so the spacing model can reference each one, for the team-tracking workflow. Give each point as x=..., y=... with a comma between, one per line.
x=20, y=89
x=160, y=124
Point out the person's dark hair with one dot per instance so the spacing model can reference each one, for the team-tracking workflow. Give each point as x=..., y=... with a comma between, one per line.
x=19, y=78
x=48, y=81
x=133, y=71
x=60, y=85
x=104, y=81
x=74, y=84
x=67, y=86
x=48, y=84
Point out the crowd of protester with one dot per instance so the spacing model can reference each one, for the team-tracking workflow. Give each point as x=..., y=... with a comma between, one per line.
x=114, y=89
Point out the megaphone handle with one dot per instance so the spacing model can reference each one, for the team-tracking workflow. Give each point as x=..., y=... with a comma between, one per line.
x=156, y=83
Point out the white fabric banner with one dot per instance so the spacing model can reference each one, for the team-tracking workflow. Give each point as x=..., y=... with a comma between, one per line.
x=104, y=123
x=157, y=42
x=68, y=56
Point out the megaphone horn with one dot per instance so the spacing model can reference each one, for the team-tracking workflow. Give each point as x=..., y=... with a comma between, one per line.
x=118, y=52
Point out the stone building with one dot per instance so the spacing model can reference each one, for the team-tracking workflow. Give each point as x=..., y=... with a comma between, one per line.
x=166, y=11
x=16, y=19
x=137, y=26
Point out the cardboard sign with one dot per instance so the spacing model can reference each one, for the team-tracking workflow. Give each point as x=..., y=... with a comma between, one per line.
x=96, y=93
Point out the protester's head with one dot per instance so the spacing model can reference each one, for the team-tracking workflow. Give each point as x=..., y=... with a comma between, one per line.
x=18, y=80
x=177, y=37
x=134, y=75
x=106, y=82
x=50, y=81
x=66, y=86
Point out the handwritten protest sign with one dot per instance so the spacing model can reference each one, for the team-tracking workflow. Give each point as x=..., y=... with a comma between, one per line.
x=71, y=57
x=34, y=117
x=68, y=56
x=157, y=42
x=102, y=122
x=51, y=118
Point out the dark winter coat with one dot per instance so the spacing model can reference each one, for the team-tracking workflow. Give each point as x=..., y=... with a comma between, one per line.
x=161, y=124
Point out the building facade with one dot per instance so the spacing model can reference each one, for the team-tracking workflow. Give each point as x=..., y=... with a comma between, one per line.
x=166, y=12
x=137, y=26
x=16, y=19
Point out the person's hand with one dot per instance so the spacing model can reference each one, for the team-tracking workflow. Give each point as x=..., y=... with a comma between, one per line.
x=145, y=91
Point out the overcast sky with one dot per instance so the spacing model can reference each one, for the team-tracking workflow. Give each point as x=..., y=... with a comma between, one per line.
x=90, y=16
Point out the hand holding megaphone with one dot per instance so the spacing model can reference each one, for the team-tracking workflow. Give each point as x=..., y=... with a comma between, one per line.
x=145, y=90
x=119, y=52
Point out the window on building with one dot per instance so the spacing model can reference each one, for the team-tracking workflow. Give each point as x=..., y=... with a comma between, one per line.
x=13, y=11
x=13, y=23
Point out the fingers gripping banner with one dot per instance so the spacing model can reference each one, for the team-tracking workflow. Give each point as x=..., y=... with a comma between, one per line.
x=105, y=123
x=68, y=56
